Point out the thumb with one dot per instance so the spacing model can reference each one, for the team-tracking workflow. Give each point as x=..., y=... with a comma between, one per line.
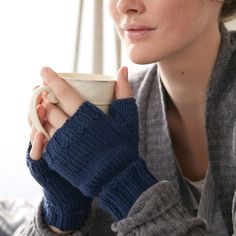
x=122, y=88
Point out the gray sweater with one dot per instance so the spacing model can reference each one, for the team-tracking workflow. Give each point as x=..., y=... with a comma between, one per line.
x=169, y=207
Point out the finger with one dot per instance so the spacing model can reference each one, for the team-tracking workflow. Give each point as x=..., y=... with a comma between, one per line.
x=36, y=87
x=67, y=96
x=41, y=113
x=32, y=134
x=124, y=107
x=122, y=88
x=37, y=146
x=54, y=115
x=50, y=129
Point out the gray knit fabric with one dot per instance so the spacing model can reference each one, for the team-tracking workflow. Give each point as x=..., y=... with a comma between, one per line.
x=169, y=207
x=13, y=213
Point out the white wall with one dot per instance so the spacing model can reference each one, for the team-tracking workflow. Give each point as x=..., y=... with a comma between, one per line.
x=33, y=34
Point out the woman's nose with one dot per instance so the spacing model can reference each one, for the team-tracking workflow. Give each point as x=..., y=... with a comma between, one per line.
x=127, y=7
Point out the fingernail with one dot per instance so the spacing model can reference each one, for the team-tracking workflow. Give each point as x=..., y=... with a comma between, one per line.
x=44, y=70
x=125, y=72
x=44, y=73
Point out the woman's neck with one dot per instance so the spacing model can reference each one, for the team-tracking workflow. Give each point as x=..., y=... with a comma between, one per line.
x=186, y=74
x=186, y=77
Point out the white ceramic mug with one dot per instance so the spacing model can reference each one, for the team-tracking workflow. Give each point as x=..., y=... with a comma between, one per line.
x=95, y=88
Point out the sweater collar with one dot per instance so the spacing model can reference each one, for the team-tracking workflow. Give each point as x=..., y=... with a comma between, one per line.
x=220, y=122
x=155, y=142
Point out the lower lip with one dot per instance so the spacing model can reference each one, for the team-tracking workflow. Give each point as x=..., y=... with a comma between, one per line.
x=137, y=34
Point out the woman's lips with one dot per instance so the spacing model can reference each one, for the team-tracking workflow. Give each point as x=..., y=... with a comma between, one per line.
x=137, y=34
x=135, y=31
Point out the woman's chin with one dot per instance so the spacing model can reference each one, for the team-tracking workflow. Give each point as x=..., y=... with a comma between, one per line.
x=142, y=60
x=138, y=56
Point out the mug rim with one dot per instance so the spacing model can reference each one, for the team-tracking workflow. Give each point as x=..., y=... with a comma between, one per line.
x=84, y=77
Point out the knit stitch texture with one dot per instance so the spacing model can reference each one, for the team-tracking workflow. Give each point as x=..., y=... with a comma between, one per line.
x=64, y=206
x=94, y=151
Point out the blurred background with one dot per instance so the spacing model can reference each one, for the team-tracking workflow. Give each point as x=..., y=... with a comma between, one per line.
x=46, y=33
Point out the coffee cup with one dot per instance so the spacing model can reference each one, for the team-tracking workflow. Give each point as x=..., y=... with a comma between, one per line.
x=95, y=88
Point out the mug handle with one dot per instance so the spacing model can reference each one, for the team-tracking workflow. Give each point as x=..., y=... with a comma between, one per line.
x=33, y=107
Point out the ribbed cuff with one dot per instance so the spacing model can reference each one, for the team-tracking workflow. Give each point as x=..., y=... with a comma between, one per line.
x=160, y=205
x=64, y=220
x=120, y=194
x=125, y=108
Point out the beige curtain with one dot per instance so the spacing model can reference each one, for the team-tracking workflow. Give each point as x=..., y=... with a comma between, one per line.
x=77, y=36
x=98, y=38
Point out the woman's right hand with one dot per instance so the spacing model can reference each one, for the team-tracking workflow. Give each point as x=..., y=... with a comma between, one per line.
x=64, y=206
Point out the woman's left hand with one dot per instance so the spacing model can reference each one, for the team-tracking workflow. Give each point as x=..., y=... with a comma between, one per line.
x=70, y=100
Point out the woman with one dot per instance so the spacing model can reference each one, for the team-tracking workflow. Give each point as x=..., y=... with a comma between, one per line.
x=176, y=175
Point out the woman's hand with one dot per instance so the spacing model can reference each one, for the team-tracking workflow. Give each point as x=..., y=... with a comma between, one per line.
x=65, y=208
x=37, y=139
x=53, y=117
x=92, y=149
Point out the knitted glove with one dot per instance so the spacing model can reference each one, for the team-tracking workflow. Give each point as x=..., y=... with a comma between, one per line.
x=64, y=206
x=98, y=154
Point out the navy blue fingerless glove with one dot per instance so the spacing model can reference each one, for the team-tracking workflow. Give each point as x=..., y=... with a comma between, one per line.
x=64, y=206
x=98, y=154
